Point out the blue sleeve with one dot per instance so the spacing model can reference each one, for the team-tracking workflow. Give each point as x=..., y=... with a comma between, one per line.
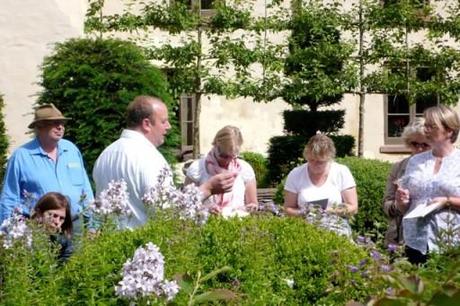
x=88, y=195
x=11, y=192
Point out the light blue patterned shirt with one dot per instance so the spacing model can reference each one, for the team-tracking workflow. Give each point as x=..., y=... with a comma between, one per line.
x=425, y=233
x=30, y=170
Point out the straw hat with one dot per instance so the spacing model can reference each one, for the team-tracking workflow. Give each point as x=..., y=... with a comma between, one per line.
x=46, y=112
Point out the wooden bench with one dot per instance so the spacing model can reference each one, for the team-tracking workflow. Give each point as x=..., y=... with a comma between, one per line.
x=265, y=194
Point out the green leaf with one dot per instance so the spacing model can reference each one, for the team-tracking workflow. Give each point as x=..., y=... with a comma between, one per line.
x=215, y=295
x=216, y=272
x=185, y=282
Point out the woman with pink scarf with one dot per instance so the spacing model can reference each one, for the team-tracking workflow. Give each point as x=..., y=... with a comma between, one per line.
x=223, y=157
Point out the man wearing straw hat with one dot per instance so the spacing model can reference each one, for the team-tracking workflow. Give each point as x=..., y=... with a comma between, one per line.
x=46, y=163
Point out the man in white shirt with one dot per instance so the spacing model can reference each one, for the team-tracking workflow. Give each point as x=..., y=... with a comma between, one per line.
x=134, y=158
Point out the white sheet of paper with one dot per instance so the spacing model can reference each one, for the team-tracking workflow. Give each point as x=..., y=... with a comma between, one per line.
x=423, y=210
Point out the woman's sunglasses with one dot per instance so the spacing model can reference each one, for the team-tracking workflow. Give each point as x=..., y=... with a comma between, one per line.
x=421, y=145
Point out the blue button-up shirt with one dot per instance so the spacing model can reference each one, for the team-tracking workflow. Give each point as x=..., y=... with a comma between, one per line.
x=31, y=173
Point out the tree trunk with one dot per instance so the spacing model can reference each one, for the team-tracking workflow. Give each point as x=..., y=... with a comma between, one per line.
x=362, y=93
x=196, y=115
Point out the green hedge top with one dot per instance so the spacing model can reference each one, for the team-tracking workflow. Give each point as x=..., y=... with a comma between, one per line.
x=265, y=254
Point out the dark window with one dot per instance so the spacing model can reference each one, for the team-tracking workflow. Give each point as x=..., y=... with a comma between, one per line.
x=398, y=111
x=187, y=121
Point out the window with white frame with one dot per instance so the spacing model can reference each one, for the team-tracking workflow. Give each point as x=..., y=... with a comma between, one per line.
x=187, y=121
x=398, y=111
x=203, y=5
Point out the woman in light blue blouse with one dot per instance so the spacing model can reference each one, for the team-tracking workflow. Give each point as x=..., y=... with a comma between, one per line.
x=433, y=177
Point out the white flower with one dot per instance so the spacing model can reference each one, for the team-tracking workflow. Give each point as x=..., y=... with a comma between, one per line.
x=289, y=282
x=143, y=275
x=113, y=200
x=15, y=229
x=187, y=202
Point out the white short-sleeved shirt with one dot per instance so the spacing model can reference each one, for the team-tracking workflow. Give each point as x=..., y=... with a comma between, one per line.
x=137, y=161
x=338, y=180
x=423, y=234
x=198, y=174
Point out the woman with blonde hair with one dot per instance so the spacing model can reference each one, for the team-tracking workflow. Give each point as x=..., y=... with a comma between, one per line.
x=323, y=184
x=223, y=157
x=433, y=177
x=415, y=139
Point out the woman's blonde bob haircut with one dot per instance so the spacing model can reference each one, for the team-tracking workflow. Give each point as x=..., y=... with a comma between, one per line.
x=319, y=146
x=444, y=116
x=228, y=140
x=413, y=129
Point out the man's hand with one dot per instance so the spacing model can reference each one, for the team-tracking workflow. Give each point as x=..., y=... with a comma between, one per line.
x=219, y=183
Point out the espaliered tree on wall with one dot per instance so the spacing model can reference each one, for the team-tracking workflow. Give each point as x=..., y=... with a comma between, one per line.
x=407, y=49
x=317, y=78
x=214, y=47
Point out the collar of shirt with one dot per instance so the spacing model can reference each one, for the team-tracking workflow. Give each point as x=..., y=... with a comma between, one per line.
x=133, y=134
x=38, y=150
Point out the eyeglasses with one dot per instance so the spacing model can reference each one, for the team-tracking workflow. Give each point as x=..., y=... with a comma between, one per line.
x=430, y=126
x=227, y=156
x=421, y=145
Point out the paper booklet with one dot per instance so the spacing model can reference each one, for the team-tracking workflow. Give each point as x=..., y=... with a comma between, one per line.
x=423, y=210
x=319, y=203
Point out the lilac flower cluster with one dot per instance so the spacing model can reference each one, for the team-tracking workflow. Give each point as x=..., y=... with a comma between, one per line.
x=15, y=228
x=379, y=262
x=113, y=200
x=270, y=206
x=143, y=275
x=186, y=202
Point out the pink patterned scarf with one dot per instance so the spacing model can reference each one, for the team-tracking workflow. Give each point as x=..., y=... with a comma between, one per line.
x=213, y=168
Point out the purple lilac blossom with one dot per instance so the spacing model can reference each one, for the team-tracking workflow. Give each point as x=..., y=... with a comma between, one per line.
x=15, y=228
x=143, y=275
x=113, y=200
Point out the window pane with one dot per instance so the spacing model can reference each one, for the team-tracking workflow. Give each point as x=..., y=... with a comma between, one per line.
x=189, y=109
x=398, y=104
x=425, y=74
x=189, y=133
x=424, y=102
x=396, y=124
x=206, y=4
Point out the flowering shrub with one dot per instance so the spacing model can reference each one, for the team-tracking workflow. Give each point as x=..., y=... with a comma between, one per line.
x=144, y=276
x=113, y=200
x=15, y=229
x=435, y=283
x=186, y=203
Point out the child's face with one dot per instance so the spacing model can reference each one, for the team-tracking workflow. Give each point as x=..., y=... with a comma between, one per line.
x=54, y=218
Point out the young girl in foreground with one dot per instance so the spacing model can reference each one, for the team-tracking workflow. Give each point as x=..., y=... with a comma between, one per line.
x=53, y=211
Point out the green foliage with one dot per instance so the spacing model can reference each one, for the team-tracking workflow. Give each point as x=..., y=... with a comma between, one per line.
x=370, y=177
x=266, y=255
x=27, y=274
x=435, y=283
x=315, y=64
x=286, y=152
x=92, y=81
x=306, y=123
x=3, y=139
x=259, y=164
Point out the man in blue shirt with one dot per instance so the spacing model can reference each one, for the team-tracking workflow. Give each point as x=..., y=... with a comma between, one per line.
x=46, y=163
